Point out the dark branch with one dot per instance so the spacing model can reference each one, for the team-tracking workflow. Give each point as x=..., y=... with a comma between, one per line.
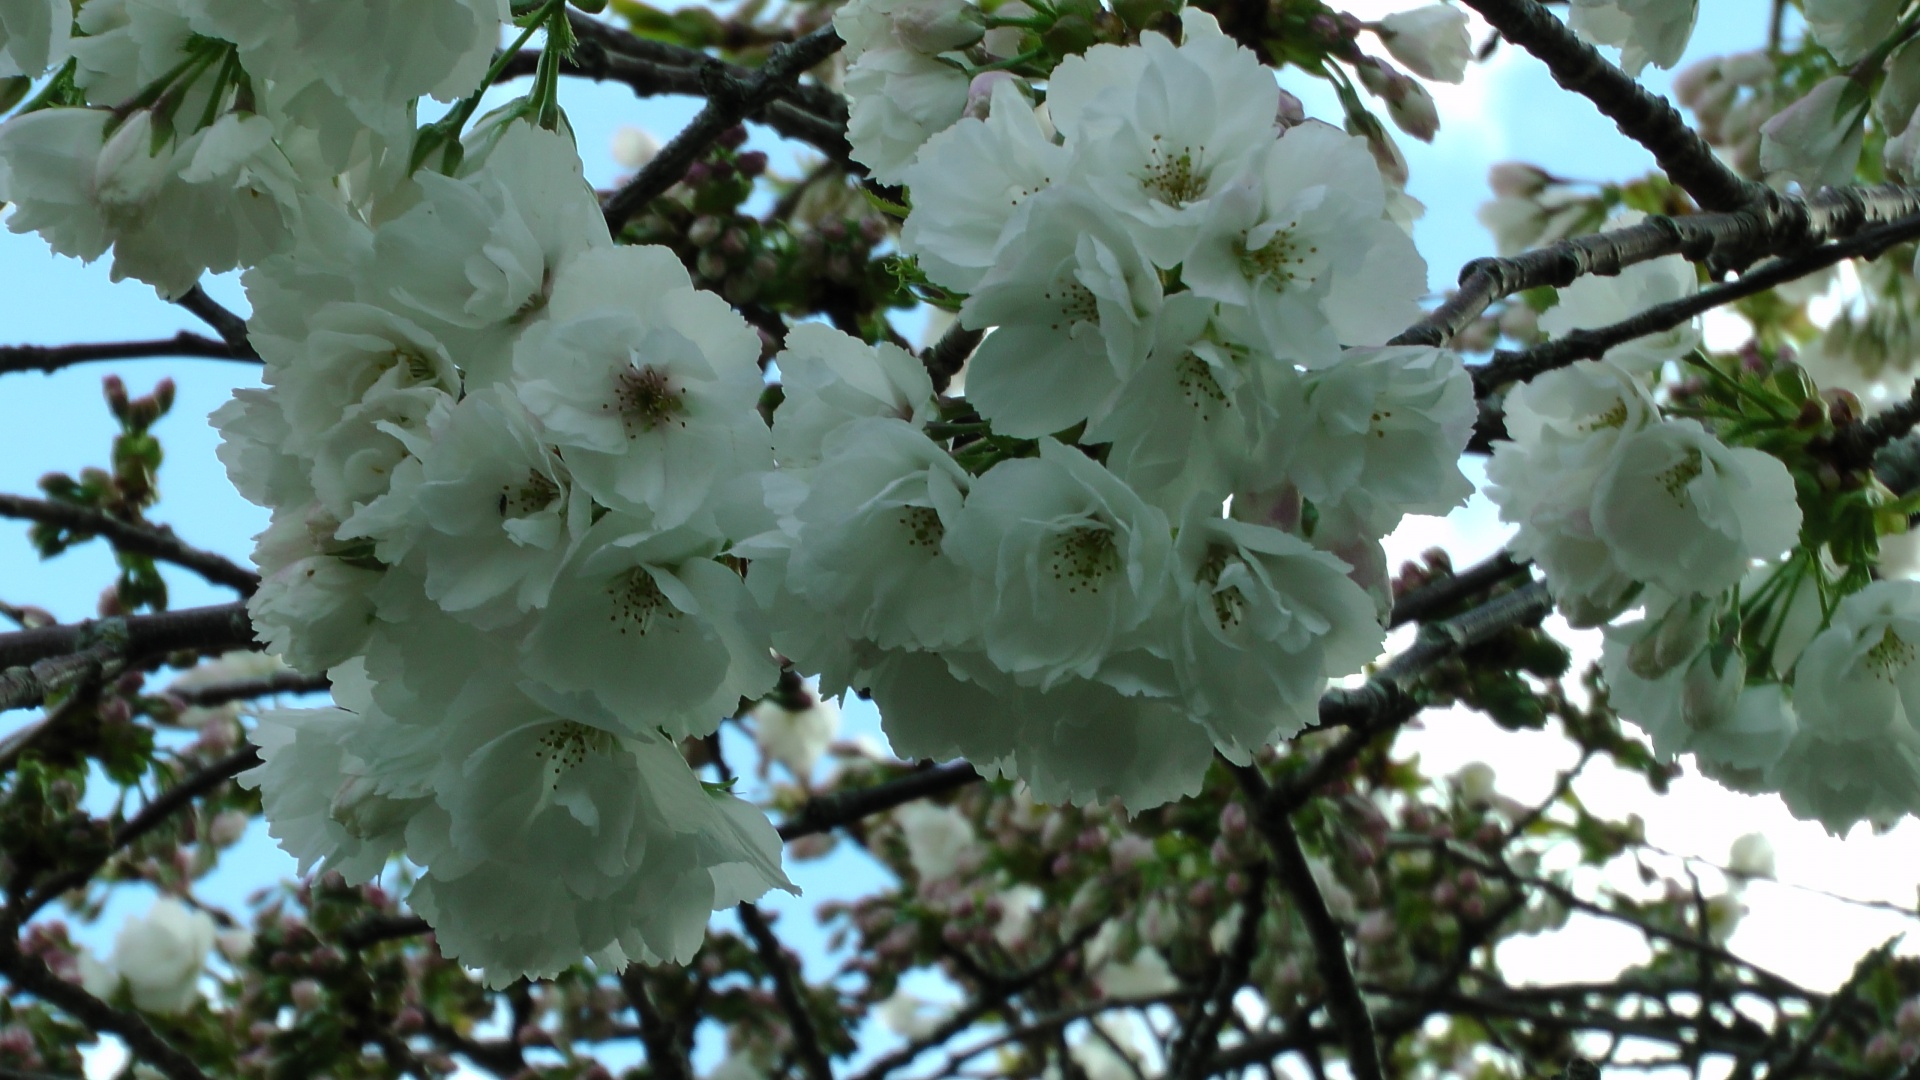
x=219, y=628
x=1201, y=1037
x=787, y=991
x=378, y=928
x=816, y=98
x=826, y=812
x=1344, y=1003
x=730, y=99
x=665, y=1056
x=948, y=355
x=32, y=976
x=1592, y=344
x=648, y=78
x=150, y=817
x=1647, y=119
x=156, y=542
x=283, y=682
x=231, y=328
x=1727, y=242
x=51, y=358
x=1420, y=604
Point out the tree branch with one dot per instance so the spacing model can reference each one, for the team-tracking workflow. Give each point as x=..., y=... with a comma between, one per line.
x=1198, y=1042
x=948, y=355
x=154, y=541
x=1419, y=604
x=665, y=1058
x=1525, y=364
x=730, y=99
x=1646, y=118
x=823, y=813
x=32, y=976
x=150, y=817
x=648, y=78
x=231, y=328
x=1344, y=1003
x=282, y=682
x=1727, y=242
x=51, y=358
x=218, y=628
x=787, y=991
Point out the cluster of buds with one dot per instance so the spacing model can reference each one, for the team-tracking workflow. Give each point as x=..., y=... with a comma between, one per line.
x=1730, y=98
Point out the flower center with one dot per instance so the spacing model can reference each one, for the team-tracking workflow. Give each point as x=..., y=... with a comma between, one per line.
x=638, y=602
x=1198, y=385
x=531, y=497
x=1229, y=605
x=565, y=745
x=647, y=399
x=1173, y=179
x=1890, y=655
x=923, y=527
x=418, y=367
x=1674, y=480
x=1075, y=303
x=1084, y=557
x=1612, y=418
x=1280, y=261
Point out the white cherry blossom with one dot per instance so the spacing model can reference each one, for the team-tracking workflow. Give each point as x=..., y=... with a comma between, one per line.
x=654, y=627
x=33, y=36
x=830, y=379
x=969, y=180
x=1430, y=41
x=1073, y=301
x=1679, y=509
x=1066, y=562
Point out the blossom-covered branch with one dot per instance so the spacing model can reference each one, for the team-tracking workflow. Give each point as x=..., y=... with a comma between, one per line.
x=1646, y=118
x=730, y=99
x=51, y=358
x=154, y=541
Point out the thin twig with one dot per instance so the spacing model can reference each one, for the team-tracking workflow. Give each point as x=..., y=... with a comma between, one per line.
x=1348, y=1009
x=665, y=1058
x=51, y=358
x=1646, y=118
x=824, y=813
x=231, y=327
x=280, y=682
x=150, y=817
x=156, y=542
x=787, y=989
x=730, y=99
x=1201, y=1036
x=1804, y=1047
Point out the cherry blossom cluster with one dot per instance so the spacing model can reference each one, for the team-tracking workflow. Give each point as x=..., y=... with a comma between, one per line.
x=1188, y=303
x=530, y=518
